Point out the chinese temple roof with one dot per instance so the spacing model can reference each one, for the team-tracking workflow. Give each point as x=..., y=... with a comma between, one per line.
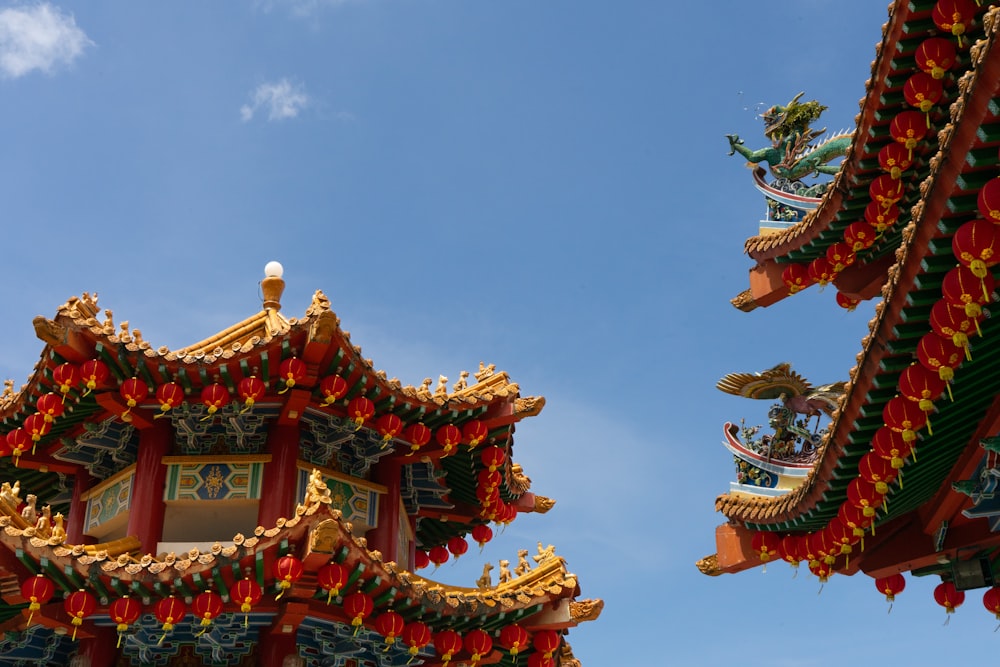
x=98, y=429
x=939, y=509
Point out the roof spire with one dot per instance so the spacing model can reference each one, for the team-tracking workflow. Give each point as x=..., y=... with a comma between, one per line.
x=272, y=286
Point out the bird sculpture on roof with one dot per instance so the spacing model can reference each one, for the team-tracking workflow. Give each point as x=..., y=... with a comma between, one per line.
x=783, y=384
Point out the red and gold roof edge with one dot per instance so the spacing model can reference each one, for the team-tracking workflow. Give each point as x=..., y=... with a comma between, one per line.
x=956, y=138
x=315, y=535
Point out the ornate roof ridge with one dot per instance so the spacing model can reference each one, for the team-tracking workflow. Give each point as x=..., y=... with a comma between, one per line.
x=769, y=246
x=916, y=236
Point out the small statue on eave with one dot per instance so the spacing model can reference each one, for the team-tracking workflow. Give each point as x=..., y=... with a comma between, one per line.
x=523, y=566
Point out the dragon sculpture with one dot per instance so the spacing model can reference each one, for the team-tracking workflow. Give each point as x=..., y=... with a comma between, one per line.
x=792, y=155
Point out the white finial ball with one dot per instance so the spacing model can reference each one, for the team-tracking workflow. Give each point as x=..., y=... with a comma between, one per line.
x=274, y=270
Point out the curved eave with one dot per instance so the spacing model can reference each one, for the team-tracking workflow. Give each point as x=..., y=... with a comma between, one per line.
x=909, y=24
x=913, y=286
x=542, y=597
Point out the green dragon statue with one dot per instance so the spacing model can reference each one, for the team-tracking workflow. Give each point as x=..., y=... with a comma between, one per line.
x=792, y=156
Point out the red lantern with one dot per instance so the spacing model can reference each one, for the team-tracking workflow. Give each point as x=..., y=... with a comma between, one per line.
x=841, y=538
x=963, y=289
x=891, y=586
x=247, y=593
x=954, y=16
x=388, y=426
x=948, y=321
x=214, y=396
x=207, y=606
x=821, y=271
x=940, y=354
x=507, y=513
x=935, y=56
x=66, y=376
x=37, y=590
x=358, y=606
x=991, y=600
x=903, y=415
x=988, y=203
x=332, y=388
x=448, y=436
x=790, y=550
x=923, y=91
x=18, y=441
x=908, y=128
x=94, y=373
x=332, y=577
x=513, y=638
x=976, y=244
x=389, y=624
x=880, y=217
x=489, y=479
x=765, y=544
x=863, y=495
x=846, y=302
x=796, y=277
x=292, y=371
x=457, y=546
x=946, y=595
x=420, y=559
x=133, y=390
x=124, y=612
x=79, y=605
x=860, y=235
x=50, y=406
x=877, y=470
x=360, y=409
x=890, y=445
x=169, y=395
x=822, y=570
x=438, y=555
x=488, y=495
x=885, y=191
x=37, y=428
x=169, y=611
x=416, y=635
x=840, y=255
x=478, y=643
x=482, y=534
x=417, y=435
x=447, y=643
x=287, y=570
x=492, y=457
x=855, y=519
x=894, y=159
x=819, y=545
x=923, y=386
x=250, y=390
x=546, y=642
x=474, y=432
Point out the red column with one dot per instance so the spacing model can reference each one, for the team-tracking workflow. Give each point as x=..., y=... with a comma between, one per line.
x=275, y=647
x=102, y=648
x=280, y=475
x=77, y=518
x=385, y=536
x=145, y=519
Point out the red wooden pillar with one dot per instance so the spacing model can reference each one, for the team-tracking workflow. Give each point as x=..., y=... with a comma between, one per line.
x=77, y=518
x=100, y=649
x=278, y=494
x=145, y=519
x=274, y=647
x=385, y=536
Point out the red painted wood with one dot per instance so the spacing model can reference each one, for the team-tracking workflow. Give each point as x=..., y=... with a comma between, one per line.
x=145, y=519
x=384, y=537
x=278, y=495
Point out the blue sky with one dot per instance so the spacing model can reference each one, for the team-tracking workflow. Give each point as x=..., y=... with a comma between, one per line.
x=542, y=185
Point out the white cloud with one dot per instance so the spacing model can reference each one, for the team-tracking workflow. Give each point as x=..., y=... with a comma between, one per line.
x=278, y=99
x=38, y=37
